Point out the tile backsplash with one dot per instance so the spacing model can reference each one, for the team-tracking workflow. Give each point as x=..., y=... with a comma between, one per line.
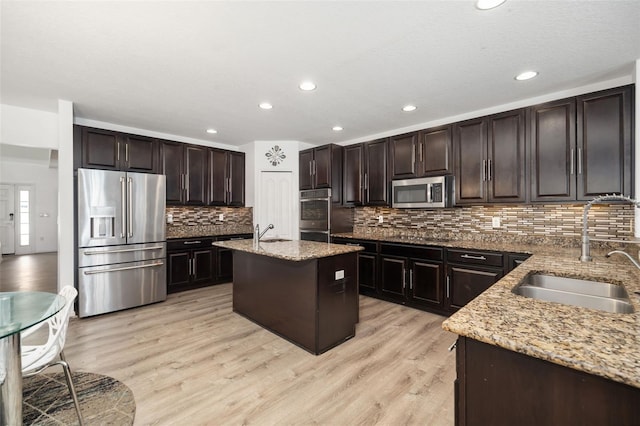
x=548, y=220
x=194, y=215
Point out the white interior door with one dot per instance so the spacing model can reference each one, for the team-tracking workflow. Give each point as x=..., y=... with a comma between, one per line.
x=7, y=218
x=276, y=204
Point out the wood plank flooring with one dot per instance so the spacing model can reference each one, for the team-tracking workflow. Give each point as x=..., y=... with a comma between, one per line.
x=191, y=360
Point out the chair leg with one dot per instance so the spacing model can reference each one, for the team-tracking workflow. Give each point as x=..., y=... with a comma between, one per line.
x=72, y=389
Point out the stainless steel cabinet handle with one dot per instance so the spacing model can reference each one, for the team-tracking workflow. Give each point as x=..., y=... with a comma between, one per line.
x=404, y=278
x=366, y=181
x=123, y=205
x=453, y=346
x=571, y=162
x=315, y=168
x=195, y=266
x=484, y=170
x=448, y=286
x=126, y=153
x=118, y=152
x=421, y=152
x=130, y=210
x=580, y=161
x=488, y=169
x=192, y=242
x=468, y=256
x=89, y=253
x=410, y=279
x=190, y=267
x=414, y=154
x=126, y=268
x=310, y=168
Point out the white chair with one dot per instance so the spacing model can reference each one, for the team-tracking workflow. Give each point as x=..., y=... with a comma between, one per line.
x=35, y=359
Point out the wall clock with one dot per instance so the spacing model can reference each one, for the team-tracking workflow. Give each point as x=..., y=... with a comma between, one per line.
x=275, y=155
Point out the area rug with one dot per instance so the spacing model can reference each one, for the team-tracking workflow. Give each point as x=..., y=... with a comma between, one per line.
x=103, y=400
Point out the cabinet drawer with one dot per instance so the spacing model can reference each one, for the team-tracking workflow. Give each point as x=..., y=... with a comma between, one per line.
x=233, y=237
x=417, y=252
x=475, y=257
x=369, y=246
x=190, y=243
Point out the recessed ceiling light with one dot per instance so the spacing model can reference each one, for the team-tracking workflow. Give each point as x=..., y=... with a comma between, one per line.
x=337, y=129
x=307, y=86
x=266, y=105
x=212, y=131
x=526, y=75
x=488, y=4
x=409, y=108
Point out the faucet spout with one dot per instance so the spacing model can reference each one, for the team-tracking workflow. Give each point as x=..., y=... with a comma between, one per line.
x=270, y=226
x=257, y=235
x=585, y=255
x=624, y=253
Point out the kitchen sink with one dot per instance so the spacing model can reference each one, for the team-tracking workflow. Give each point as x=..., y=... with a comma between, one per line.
x=576, y=292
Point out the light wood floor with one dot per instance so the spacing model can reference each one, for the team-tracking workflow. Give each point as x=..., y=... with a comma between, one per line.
x=191, y=360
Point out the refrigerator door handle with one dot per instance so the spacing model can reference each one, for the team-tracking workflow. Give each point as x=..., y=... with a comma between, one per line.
x=130, y=209
x=89, y=253
x=123, y=205
x=125, y=268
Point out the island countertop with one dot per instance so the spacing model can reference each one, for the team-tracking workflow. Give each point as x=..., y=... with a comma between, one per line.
x=289, y=250
x=593, y=341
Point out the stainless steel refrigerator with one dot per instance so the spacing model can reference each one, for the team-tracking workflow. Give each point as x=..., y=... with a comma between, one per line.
x=121, y=240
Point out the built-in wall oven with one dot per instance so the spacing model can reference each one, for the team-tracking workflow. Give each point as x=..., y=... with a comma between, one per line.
x=319, y=217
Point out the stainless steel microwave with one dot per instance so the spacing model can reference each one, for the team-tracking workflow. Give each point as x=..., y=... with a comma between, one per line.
x=427, y=192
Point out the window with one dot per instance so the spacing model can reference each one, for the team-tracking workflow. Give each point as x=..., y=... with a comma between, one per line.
x=24, y=218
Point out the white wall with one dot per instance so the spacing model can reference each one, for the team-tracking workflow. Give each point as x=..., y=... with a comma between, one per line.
x=45, y=181
x=28, y=127
x=66, y=217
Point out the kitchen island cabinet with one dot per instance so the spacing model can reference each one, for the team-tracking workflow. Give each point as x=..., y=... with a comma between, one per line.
x=304, y=291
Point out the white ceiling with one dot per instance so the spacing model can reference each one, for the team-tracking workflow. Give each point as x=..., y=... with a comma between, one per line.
x=182, y=67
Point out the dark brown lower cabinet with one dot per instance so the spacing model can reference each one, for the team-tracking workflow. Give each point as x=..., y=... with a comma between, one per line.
x=224, y=258
x=465, y=283
x=367, y=264
x=496, y=386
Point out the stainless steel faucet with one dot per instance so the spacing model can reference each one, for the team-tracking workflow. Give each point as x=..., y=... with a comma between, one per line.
x=585, y=255
x=257, y=235
x=624, y=253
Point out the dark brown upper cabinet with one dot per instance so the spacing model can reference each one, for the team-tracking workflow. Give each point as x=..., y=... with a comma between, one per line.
x=226, y=178
x=195, y=175
x=366, y=176
x=424, y=153
x=172, y=166
x=321, y=167
x=110, y=150
x=490, y=159
x=552, y=128
x=604, y=149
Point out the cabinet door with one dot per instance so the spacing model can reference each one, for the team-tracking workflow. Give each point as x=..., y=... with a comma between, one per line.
x=196, y=175
x=179, y=269
x=604, y=143
x=101, y=149
x=553, y=151
x=322, y=167
x=426, y=283
x=217, y=177
x=224, y=264
x=306, y=169
x=376, y=177
x=403, y=151
x=506, y=160
x=236, y=179
x=172, y=167
x=393, y=277
x=515, y=260
x=466, y=283
x=353, y=172
x=203, y=266
x=141, y=154
x=470, y=162
x=367, y=272
x=434, y=151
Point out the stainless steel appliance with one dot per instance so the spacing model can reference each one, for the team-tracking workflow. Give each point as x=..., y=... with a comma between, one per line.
x=319, y=217
x=121, y=240
x=427, y=192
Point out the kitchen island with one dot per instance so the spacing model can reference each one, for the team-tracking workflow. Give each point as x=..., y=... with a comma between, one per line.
x=304, y=291
x=521, y=360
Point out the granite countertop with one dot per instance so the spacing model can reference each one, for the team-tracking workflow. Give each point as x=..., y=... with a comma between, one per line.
x=289, y=250
x=593, y=341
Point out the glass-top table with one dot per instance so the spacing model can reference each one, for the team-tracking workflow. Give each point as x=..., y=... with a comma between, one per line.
x=19, y=311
